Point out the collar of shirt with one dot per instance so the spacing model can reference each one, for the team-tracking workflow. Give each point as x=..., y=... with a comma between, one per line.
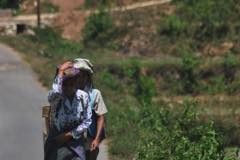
x=67, y=101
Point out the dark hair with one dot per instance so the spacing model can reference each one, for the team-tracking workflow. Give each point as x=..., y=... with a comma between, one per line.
x=89, y=79
x=56, y=72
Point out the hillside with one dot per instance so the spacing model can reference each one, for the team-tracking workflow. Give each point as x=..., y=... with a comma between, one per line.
x=152, y=59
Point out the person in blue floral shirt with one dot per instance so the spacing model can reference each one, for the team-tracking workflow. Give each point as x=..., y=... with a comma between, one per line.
x=71, y=116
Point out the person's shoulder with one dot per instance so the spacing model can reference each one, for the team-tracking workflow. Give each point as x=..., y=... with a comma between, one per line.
x=96, y=91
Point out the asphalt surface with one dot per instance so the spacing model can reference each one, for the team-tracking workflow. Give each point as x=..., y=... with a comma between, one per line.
x=21, y=99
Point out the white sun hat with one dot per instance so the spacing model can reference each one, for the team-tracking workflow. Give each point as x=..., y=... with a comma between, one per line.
x=83, y=64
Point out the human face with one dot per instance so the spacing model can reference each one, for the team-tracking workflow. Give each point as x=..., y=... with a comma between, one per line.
x=69, y=87
x=82, y=79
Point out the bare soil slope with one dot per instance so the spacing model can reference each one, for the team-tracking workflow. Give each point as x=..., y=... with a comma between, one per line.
x=71, y=23
x=67, y=5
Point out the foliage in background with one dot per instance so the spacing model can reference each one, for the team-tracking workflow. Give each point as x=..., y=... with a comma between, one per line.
x=230, y=64
x=203, y=20
x=167, y=134
x=53, y=44
x=188, y=76
x=13, y=4
x=110, y=81
x=177, y=136
x=99, y=29
x=144, y=86
x=174, y=27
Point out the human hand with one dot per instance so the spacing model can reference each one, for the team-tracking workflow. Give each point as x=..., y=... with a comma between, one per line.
x=65, y=66
x=94, y=144
x=63, y=138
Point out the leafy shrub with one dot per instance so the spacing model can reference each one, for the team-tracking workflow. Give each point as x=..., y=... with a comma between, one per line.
x=217, y=85
x=229, y=129
x=99, y=28
x=211, y=15
x=230, y=65
x=177, y=137
x=188, y=75
x=145, y=88
x=233, y=87
x=47, y=35
x=124, y=146
x=174, y=27
x=55, y=45
x=110, y=81
x=204, y=20
x=10, y=4
x=132, y=69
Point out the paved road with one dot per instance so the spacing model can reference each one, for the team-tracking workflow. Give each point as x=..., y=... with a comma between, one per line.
x=21, y=98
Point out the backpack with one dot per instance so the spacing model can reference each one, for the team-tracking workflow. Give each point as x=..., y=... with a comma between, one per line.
x=92, y=130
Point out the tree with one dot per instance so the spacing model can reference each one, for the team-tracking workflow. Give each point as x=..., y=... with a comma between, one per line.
x=9, y=4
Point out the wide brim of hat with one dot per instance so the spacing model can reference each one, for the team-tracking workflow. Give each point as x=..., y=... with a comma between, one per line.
x=83, y=66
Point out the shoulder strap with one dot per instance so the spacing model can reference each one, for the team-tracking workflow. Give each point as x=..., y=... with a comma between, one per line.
x=92, y=97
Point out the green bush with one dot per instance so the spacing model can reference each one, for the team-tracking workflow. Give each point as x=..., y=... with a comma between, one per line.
x=233, y=87
x=173, y=27
x=188, y=76
x=99, y=29
x=14, y=4
x=177, y=137
x=124, y=145
x=230, y=66
x=214, y=18
x=145, y=88
x=230, y=131
x=110, y=81
x=217, y=85
x=47, y=36
x=204, y=20
x=53, y=43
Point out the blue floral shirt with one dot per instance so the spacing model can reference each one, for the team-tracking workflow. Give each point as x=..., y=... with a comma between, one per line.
x=66, y=115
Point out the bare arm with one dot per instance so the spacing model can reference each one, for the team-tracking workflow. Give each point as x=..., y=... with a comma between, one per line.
x=100, y=126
